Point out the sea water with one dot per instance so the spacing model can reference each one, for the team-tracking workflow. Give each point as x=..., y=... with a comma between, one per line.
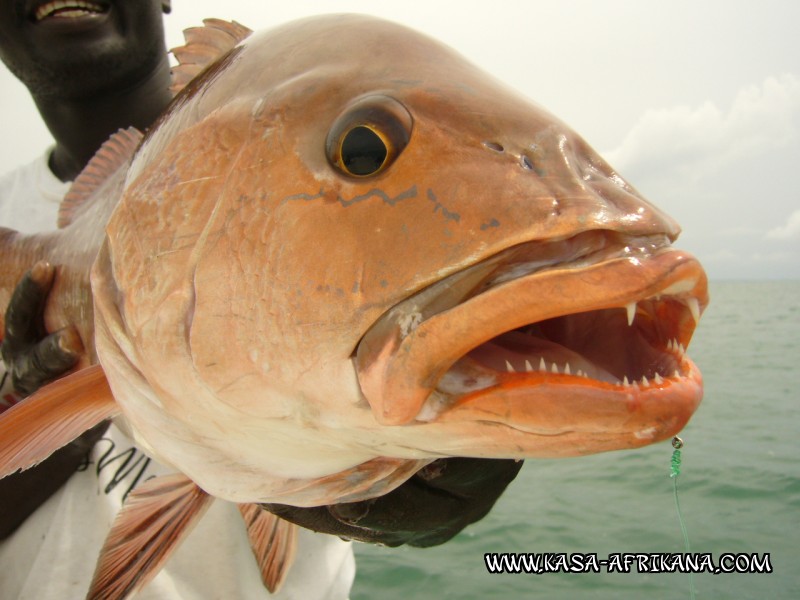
x=739, y=486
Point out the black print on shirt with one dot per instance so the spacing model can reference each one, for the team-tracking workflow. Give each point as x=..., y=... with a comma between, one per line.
x=127, y=467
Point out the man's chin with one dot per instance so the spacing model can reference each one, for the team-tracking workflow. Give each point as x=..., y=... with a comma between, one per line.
x=87, y=71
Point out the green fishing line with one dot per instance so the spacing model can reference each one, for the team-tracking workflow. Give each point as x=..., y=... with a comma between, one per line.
x=675, y=470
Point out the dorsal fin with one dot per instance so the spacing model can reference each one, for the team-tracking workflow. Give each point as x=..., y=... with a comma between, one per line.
x=155, y=519
x=55, y=415
x=204, y=46
x=274, y=543
x=115, y=153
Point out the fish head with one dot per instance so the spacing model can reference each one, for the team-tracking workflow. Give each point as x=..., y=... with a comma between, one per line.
x=347, y=231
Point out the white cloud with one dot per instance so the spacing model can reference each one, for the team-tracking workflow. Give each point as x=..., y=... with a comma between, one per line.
x=789, y=230
x=689, y=141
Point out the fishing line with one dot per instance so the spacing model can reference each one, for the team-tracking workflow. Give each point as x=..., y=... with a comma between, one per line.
x=675, y=470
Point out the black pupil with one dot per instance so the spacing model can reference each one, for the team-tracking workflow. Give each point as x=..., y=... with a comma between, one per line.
x=363, y=152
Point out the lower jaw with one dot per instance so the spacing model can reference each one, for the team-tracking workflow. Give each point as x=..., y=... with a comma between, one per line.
x=602, y=416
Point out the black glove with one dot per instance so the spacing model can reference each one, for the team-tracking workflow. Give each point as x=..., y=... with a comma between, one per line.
x=429, y=509
x=32, y=357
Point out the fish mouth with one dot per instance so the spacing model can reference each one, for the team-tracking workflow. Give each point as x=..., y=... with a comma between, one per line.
x=544, y=334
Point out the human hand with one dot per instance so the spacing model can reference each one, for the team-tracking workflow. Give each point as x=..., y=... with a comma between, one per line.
x=428, y=509
x=33, y=357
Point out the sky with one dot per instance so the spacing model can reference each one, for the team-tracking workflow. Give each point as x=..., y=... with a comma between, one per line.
x=696, y=103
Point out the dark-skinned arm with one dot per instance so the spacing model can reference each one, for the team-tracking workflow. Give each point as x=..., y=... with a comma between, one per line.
x=33, y=358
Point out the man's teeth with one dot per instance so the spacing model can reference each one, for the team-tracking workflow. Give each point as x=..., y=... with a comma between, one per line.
x=66, y=9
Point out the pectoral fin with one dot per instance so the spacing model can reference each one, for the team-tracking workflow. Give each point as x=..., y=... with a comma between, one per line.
x=274, y=542
x=52, y=417
x=156, y=518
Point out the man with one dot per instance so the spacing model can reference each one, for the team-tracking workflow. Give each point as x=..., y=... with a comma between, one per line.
x=75, y=62
x=92, y=70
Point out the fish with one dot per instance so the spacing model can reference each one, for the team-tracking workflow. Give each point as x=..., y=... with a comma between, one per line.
x=344, y=252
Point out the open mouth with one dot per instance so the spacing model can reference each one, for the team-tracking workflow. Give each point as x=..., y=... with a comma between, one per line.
x=602, y=314
x=611, y=346
x=68, y=9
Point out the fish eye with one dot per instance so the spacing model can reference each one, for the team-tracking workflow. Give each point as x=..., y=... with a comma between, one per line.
x=368, y=136
x=363, y=151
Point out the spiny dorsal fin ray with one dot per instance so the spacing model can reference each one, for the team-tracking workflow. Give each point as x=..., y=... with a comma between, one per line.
x=114, y=154
x=52, y=417
x=274, y=543
x=155, y=519
x=204, y=46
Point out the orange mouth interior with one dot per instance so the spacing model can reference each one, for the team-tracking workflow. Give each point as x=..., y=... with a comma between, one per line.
x=599, y=346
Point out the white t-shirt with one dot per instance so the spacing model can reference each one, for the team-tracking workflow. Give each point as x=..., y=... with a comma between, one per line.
x=52, y=554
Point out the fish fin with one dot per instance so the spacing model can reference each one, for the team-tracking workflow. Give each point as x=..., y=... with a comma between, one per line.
x=156, y=518
x=52, y=417
x=274, y=543
x=204, y=46
x=115, y=153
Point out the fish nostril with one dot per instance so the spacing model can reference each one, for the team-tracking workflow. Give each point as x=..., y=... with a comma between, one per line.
x=525, y=163
x=494, y=146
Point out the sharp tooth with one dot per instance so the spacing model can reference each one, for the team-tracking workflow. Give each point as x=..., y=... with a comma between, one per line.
x=681, y=349
x=625, y=380
x=645, y=383
x=528, y=366
x=658, y=379
x=694, y=308
x=554, y=369
x=579, y=373
x=542, y=365
x=631, y=310
x=669, y=346
x=509, y=368
x=676, y=375
x=567, y=370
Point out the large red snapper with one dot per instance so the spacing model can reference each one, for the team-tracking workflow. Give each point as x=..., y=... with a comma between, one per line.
x=344, y=252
